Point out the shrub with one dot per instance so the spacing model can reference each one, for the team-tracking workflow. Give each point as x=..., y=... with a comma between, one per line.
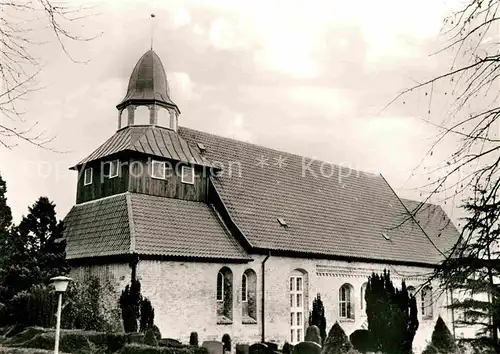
x=89, y=306
x=337, y=341
x=149, y=338
x=442, y=338
x=157, y=332
x=226, y=342
x=147, y=315
x=33, y=307
x=71, y=342
x=361, y=340
x=193, y=339
x=287, y=348
x=145, y=349
x=313, y=335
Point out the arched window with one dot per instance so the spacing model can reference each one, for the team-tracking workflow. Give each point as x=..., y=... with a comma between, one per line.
x=426, y=302
x=298, y=302
x=362, y=297
x=346, y=310
x=249, y=296
x=224, y=295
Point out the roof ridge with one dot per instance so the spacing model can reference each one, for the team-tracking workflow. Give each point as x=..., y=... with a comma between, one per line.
x=275, y=150
x=100, y=199
x=412, y=217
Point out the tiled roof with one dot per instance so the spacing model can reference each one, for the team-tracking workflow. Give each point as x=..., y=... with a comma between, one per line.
x=151, y=140
x=435, y=222
x=329, y=210
x=98, y=228
x=148, y=225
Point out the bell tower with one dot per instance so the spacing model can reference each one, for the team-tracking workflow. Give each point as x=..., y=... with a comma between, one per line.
x=148, y=93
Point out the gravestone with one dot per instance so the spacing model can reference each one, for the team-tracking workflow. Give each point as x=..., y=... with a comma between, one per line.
x=273, y=347
x=213, y=347
x=242, y=349
x=259, y=348
x=307, y=348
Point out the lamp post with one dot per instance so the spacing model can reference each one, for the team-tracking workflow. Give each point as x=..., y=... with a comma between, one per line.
x=61, y=284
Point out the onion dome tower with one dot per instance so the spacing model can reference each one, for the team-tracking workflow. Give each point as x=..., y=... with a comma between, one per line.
x=148, y=87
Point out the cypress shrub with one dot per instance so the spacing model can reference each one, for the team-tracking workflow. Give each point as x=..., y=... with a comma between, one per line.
x=147, y=317
x=337, y=341
x=442, y=338
x=193, y=339
x=317, y=317
x=226, y=341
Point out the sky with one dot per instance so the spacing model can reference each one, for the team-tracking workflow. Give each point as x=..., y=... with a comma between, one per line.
x=310, y=78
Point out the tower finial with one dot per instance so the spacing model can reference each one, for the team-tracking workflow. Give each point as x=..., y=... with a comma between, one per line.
x=152, y=29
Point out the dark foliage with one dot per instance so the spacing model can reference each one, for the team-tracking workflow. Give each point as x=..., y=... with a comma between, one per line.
x=145, y=349
x=337, y=341
x=147, y=317
x=130, y=305
x=150, y=338
x=362, y=341
x=392, y=315
x=475, y=263
x=193, y=338
x=157, y=332
x=317, y=317
x=430, y=349
x=312, y=334
x=442, y=338
x=33, y=253
x=287, y=348
x=226, y=342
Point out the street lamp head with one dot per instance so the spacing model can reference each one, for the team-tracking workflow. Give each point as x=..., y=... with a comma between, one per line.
x=61, y=283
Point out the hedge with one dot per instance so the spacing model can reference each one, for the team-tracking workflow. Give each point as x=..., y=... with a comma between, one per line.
x=145, y=349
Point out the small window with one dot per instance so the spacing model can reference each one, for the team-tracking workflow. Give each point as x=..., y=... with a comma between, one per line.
x=187, y=174
x=113, y=168
x=87, y=178
x=244, y=288
x=158, y=169
x=426, y=305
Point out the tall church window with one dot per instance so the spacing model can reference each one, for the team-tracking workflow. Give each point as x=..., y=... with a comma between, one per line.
x=426, y=302
x=224, y=295
x=346, y=309
x=249, y=296
x=298, y=303
x=87, y=178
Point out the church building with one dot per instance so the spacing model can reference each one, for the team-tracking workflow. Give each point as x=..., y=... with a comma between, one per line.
x=232, y=237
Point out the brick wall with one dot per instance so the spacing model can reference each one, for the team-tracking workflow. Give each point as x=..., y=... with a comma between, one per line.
x=184, y=295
